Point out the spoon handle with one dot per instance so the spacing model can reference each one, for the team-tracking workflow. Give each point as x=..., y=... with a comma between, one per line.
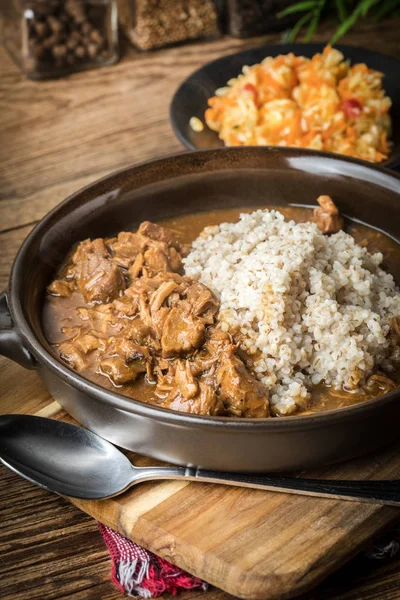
x=374, y=491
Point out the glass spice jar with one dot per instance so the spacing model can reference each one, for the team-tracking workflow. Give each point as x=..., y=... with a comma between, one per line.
x=247, y=18
x=151, y=24
x=51, y=38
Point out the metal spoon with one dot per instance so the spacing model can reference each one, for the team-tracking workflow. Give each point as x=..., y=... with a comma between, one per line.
x=73, y=461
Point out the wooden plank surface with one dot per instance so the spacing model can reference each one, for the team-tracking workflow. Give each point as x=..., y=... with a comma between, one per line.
x=55, y=137
x=250, y=543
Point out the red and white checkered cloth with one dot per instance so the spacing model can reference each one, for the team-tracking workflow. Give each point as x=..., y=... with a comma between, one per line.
x=138, y=572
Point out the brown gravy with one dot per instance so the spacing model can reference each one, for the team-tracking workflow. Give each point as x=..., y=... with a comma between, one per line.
x=60, y=312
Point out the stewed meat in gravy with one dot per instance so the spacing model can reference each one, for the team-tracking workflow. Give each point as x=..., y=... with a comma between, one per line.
x=122, y=314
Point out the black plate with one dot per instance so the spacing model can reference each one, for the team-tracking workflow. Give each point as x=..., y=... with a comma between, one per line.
x=190, y=100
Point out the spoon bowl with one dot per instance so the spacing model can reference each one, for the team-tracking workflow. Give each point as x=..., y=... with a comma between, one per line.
x=63, y=458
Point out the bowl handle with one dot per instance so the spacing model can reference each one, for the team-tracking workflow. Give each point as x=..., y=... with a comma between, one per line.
x=11, y=343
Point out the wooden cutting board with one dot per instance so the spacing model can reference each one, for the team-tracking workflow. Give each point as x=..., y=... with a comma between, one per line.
x=250, y=543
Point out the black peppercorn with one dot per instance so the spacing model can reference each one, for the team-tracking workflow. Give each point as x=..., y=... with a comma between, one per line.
x=71, y=42
x=96, y=37
x=41, y=28
x=59, y=50
x=55, y=25
x=92, y=49
x=80, y=51
x=62, y=36
x=86, y=27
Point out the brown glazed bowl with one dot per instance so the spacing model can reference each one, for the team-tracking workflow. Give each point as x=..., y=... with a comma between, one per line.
x=181, y=184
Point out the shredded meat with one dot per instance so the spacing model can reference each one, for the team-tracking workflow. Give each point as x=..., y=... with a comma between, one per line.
x=96, y=276
x=327, y=216
x=185, y=380
x=120, y=371
x=70, y=353
x=182, y=334
x=158, y=233
x=139, y=317
x=88, y=342
x=156, y=259
x=202, y=302
x=205, y=402
x=152, y=249
x=380, y=384
x=127, y=317
x=159, y=296
x=61, y=288
x=241, y=393
x=127, y=247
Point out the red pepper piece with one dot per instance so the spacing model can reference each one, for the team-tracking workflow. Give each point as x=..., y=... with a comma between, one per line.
x=252, y=88
x=351, y=107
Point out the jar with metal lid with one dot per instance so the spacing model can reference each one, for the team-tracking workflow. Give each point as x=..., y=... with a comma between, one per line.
x=51, y=38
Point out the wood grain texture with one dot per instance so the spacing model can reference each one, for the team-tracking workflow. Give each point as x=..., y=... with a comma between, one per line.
x=250, y=543
x=55, y=137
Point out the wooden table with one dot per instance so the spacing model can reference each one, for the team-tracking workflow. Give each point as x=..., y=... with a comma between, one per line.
x=55, y=137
